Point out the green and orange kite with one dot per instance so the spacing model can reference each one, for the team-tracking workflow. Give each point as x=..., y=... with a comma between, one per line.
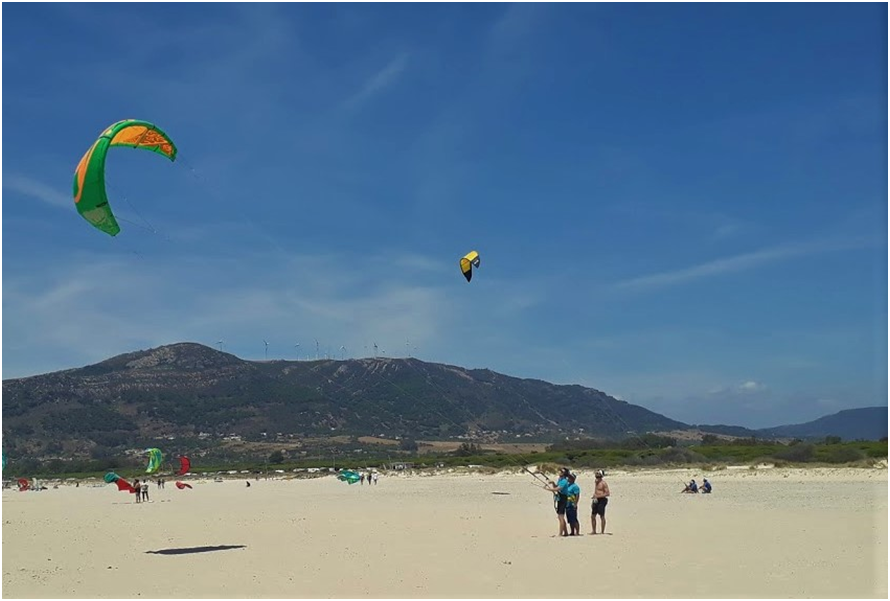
x=90, y=197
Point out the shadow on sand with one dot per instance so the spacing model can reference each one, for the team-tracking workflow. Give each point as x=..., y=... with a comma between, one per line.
x=190, y=550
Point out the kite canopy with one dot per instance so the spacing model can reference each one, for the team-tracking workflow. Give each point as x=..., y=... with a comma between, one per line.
x=349, y=476
x=23, y=484
x=185, y=465
x=122, y=485
x=181, y=485
x=469, y=260
x=155, y=458
x=90, y=197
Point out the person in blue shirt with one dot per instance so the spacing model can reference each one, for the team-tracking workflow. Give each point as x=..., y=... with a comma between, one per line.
x=692, y=487
x=560, y=498
x=573, y=494
x=705, y=487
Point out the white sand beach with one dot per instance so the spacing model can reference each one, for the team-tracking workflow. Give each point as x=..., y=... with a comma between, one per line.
x=818, y=532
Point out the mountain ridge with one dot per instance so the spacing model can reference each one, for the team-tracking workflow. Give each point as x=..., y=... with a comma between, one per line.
x=862, y=422
x=190, y=391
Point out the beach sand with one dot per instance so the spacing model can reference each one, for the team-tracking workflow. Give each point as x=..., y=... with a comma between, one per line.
x=762, y=533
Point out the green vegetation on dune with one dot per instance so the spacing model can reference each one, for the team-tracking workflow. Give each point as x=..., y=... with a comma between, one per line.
x=647, y=451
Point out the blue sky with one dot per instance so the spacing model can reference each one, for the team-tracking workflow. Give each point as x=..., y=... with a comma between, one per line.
x=684, y=206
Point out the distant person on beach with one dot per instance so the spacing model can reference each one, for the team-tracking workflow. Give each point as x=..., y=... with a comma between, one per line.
x=248, y=484
x=560, y=498
x=573, y=495
x=363, y=478
x=692, y=487
x=145, y=491
x=705, y=487
x=375, y=477
x=600, y=500
x=138, y=489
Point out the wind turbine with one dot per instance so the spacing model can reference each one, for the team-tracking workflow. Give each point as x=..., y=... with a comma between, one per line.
x=297, y=349
x=267, y=349
x=375, y=349
x=220, y=343
x=342, y=352
x=316, y=349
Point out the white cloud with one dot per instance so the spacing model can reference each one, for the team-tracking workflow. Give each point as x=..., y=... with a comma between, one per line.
x=751, y=386
x=378, y=82
x=511, y=30
x=726, y=230
x=215, y=66
x=38, y=190
x=737, y=263
x=91, y=307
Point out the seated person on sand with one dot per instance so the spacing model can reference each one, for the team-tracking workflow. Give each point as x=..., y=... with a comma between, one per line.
x=692, y=487
x=705, y=487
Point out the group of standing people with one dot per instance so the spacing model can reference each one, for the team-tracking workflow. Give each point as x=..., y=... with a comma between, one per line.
x=141, y=491
x=368, y=477
x=567, y=496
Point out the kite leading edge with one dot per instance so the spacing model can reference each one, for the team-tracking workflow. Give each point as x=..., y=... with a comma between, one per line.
x=90, y=196
x=467, y=262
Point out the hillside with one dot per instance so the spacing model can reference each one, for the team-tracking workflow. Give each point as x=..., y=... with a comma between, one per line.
x=196, y=394
x=724, y=430
x=868, y=423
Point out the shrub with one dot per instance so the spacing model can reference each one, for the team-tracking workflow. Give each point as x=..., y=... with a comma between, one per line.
x=843, y=455
x=798, y=453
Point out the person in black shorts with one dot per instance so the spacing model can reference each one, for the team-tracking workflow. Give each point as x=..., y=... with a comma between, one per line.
x=600, y=500
x=560, y=498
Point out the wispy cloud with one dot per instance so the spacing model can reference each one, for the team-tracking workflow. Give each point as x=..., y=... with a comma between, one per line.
x=323, y=297
x=745, y=388
x=751, y=386
x=505, y=57
x=335, y=164
x=726, y=230
x=703, y=397
x=378, y=82
x=738, y=263
x=215, y=67
x=38, y=190
x=709, y=225
x=340, y=299
x=510, y=31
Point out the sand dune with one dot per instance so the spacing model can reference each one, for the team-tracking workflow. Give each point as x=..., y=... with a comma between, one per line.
x=763, y=533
